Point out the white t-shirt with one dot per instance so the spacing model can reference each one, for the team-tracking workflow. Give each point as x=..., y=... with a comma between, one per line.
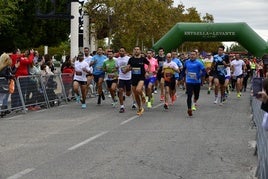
x=171, y=64
x=121, y=63
x=88, y=59
x=238, y=67
x=81, y=68
x=228, y=72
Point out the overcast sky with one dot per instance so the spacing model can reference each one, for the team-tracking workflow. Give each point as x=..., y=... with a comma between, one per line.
x=252, y=12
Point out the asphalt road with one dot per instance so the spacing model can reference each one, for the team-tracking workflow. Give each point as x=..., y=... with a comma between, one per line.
x=67, y=142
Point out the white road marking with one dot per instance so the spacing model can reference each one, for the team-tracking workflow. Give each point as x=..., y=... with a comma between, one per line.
x=156, y=106
x=21, y=174
x=134, y=117
x=88, y=140
x=128, y=120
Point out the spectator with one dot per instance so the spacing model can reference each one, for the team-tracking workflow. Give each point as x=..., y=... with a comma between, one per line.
x=264, y=105
x=6, y=73
x=22, y=71
x=67, y=77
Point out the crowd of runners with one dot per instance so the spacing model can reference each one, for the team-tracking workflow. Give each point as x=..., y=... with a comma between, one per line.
x=143, y=75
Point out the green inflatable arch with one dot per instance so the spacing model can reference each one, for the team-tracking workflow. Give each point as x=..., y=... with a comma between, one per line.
x=195, y=32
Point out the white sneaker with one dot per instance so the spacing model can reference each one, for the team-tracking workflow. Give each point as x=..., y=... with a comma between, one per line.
x=155, y=91
x=216, y=101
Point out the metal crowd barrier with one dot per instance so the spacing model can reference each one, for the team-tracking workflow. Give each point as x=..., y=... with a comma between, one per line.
x=262, y=140
x=36, y=90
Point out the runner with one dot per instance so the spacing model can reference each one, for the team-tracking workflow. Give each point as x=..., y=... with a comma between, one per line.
x=227, y=78
x=98, y=73
x=150, y=78
x=209, y=76
x=88, y=58
x=80, y=79
x=177, y=76
x=238, y=68
x=194, y=70
x=169, y=69
x=109, y=66
x=136, y=65
x=160, y=79
x=220, y=62
x=124, y=83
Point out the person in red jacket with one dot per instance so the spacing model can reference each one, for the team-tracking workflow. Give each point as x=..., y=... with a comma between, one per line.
x=67, y=77
x=22, y=71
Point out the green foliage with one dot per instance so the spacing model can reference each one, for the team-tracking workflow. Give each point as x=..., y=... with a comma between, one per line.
x=19, y=26
x=56, y=51
x=236, y=47
x=126, y=22
x=137, y=22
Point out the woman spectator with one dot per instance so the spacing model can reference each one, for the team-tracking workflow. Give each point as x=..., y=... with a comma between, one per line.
x=67, y=76
x=22, y=71
x=6, y=73
x=264, y=106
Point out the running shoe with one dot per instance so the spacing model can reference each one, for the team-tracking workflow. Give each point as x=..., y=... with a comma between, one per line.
x=162, y=98
x=190, y=112
x=114, y=103
x=149, y=104
x=77, y=99
x=155, y=91
x=122, y=110
x=216, y=100
x=99, y=100
x=238, y=95
x=140, y=111
x=194, y=107
x=146, y=99
x=134, y=106
x=84, y=106
x=165, y=106
x=152, y=99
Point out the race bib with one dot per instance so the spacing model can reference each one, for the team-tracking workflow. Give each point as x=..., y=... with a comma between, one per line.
x=136, y=71
x=99, y=67
x=161, y=63
x=110, y=75
x=123, y=68
x=168, y=76
x=78, y=73
x=220, y=67
x=192, y=75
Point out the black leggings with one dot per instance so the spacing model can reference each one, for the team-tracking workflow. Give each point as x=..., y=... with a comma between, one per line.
x=192, y=88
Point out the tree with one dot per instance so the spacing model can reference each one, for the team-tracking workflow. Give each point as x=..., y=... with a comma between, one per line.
x=139, y=22
x=21, y=28
x=236, y=47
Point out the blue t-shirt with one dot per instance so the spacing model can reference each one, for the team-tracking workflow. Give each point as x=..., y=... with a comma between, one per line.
x=98, y=65
x=178, y=62
x=194, y=70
